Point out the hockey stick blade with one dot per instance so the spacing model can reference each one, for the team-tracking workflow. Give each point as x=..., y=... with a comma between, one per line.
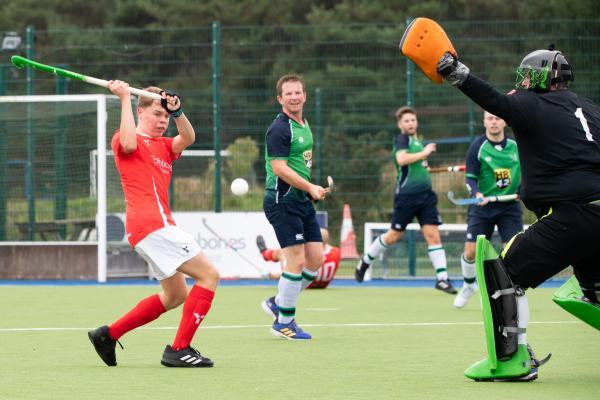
x=330, y=184
x=22, y=62
x=463, y=202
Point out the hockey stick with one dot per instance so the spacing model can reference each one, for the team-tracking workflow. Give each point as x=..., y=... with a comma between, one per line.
x=330, y=184
x=477, y=200
x=262, y=272
x=451, y=168
x=22, y=62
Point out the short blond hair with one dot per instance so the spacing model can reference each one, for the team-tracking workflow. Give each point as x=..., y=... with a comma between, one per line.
x=145, y=102
x=289, y=78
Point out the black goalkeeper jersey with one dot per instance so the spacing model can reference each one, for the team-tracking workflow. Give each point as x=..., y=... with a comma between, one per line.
x=558, y=134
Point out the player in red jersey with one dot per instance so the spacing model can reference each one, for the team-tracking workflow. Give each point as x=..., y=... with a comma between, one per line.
x=325, y=274
x=143, y=158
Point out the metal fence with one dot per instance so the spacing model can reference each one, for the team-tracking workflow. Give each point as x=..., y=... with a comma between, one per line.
x=226, y=75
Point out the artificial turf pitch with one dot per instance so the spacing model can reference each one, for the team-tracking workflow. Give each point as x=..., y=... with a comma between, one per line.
x=368, y=342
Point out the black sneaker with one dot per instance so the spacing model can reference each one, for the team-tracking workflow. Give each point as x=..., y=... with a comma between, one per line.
x=104, y=345
x=361, y=269
x=185, y=358
x=261, y=244
x=445, y=286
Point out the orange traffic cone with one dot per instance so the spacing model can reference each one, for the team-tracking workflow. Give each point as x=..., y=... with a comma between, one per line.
x=348, y=238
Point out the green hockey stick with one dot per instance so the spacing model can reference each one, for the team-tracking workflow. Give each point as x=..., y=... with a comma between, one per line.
x=22, y=62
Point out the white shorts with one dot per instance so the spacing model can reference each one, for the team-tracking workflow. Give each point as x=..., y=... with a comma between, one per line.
x=166, y=249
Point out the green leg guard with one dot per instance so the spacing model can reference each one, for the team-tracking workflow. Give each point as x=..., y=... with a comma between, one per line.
x=491, y=368
x=569, y=295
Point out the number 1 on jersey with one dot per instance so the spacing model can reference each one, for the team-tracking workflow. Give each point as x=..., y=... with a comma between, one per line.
x=584, y=124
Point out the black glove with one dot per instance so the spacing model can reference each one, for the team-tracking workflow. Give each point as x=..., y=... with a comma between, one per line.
x=453, y=71
x=163, y=102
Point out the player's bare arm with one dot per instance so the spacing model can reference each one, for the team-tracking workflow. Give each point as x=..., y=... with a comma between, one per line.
x=186, y=134
x=127, y=135
x=283, y=171
x=403, y=157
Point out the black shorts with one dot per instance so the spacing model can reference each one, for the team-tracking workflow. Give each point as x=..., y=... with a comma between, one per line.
x=508, y=217
x=293, y=222
x=422, y=205
x=568, y=235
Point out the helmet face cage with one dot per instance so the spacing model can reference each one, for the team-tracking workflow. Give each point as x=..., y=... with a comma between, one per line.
x=532, y=78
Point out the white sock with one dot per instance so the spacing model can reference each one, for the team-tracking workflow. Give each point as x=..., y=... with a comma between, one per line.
x=437, y=255
x=375, y=249
x=290, y=286
x=468, y=270
x=523, y=317
x=307, y=277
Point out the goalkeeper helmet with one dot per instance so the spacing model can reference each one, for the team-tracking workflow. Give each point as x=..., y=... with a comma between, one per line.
x=541, y=69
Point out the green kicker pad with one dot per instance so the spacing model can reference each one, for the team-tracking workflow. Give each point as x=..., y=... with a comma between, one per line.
x=491, y=368
x=569, y=295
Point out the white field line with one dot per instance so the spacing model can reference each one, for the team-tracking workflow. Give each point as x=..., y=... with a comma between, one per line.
x=354, y=325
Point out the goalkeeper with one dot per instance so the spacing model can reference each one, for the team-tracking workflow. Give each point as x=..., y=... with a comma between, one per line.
x=558, y=133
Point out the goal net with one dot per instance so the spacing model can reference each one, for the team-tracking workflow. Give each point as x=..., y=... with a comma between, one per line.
x=409, y=259
x=44, y=179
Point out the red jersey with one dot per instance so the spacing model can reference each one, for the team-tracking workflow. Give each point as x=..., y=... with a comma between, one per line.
x=145, y=177
x=325, y=274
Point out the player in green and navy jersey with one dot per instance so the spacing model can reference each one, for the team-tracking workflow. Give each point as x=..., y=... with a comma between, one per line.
x=493, y=169
x=414, y=198
x=288, y=207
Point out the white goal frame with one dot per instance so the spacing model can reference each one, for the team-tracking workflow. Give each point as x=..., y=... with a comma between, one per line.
x=101, y=121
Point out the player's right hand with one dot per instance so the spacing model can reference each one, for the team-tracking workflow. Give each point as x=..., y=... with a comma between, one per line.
x=317, y=192
x=120, y=89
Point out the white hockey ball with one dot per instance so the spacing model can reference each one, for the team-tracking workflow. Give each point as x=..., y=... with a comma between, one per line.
x=239, y=187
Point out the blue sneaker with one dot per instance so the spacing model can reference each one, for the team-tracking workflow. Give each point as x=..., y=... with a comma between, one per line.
x=289, y=331
x=270, y=307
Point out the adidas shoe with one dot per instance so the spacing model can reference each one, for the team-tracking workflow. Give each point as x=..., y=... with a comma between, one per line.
x=289, y=331
x=261, y=244
x=445, y=286
x=361, y=269
x=185, y=358
x=465, y=294
x=270, y=307
x=104, y=345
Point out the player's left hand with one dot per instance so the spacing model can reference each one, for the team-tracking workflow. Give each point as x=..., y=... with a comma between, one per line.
x=171, y=102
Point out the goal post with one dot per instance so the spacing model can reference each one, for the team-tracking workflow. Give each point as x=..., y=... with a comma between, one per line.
x=43, y=158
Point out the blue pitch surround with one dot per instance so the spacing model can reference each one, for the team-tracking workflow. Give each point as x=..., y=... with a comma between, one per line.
x=423, y=283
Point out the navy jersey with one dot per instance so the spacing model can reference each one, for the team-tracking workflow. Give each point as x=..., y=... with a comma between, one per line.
x=558, y=134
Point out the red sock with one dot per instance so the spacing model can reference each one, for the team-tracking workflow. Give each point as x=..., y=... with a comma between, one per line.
x=145, y=311
x=268, y=255
x=195, y=308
